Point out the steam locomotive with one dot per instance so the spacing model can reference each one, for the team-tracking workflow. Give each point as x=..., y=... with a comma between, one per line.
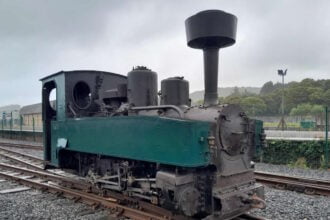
x=194, y=160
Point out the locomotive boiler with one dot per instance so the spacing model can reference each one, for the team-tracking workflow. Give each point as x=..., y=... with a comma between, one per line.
x=123, y=134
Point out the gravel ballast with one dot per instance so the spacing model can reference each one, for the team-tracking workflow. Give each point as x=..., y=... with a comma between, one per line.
x=34, y=204
x=283, y=204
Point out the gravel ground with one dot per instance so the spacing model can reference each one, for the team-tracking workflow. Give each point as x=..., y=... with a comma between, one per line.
x=285, y=170
x=283, y=204
x=33, y=204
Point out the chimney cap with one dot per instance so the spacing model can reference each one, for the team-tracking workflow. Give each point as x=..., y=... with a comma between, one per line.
x=211, y=29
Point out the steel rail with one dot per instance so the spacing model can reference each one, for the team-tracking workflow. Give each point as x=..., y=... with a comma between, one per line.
x=87, y=197
x=300, y=184
x=75, y=184
x=50, y=177
x=18, y=158
x=22, y=154
x=24, y=146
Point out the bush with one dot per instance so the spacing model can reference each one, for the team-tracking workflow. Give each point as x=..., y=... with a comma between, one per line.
x=297, y=153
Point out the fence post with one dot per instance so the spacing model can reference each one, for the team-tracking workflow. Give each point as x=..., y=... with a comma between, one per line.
x=20, y=126
x=11, y=125
x=326, y=147
x=34, y=134
x=2, y=127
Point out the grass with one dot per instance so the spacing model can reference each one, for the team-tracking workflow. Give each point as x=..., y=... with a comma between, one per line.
x=275, y=124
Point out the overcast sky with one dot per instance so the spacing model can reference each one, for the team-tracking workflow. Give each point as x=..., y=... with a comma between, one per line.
x=41, y=37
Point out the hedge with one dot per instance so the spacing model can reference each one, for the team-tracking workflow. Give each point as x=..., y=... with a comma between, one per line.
x=301, y=153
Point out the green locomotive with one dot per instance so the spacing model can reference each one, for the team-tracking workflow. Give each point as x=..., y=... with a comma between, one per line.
x=194, y=160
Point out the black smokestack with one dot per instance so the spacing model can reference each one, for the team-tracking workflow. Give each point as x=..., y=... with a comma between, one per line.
x=211, y=30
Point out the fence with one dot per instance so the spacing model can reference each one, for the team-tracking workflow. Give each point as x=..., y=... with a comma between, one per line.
x=306, y=147
x=15, y=126
x=304, y=122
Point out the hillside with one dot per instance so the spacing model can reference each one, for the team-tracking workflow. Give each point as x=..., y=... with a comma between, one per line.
x=223, y=92
x=9, y=108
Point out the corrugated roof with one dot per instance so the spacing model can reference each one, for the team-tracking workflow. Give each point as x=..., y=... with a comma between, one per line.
x=31, y=109
x=35, y=108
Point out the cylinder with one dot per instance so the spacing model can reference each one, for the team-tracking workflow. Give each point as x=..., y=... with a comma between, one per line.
x=175, y=91
x=142, y=87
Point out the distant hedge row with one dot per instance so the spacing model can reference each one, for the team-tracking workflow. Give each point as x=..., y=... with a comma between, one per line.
x=309, y=154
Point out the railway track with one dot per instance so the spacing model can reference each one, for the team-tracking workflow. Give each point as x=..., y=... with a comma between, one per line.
x=28, y=170
x=23, y=146
x=306, y=185
x=26, y=159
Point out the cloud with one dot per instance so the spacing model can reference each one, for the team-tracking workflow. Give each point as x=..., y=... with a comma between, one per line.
x=40, y=37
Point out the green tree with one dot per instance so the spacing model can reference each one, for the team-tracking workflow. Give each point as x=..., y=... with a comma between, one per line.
x=296, y=95
x=326, y=98
x=317, y=111
x=301, y=110
x=315, y=95
x=253, y=105
x=233, y=100
x=273, y=103
x=326, y=84
x=267, y=88
x=308, y=82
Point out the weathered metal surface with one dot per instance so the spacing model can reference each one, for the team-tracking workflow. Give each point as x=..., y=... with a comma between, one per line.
x=175, y=91
x=142, y=87
x=154, y=139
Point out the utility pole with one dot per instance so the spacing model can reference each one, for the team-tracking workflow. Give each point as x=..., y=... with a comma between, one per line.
x=282, y=123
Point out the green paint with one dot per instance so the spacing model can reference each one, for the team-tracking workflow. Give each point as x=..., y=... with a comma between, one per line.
x=59, y=80
x=155, y=139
